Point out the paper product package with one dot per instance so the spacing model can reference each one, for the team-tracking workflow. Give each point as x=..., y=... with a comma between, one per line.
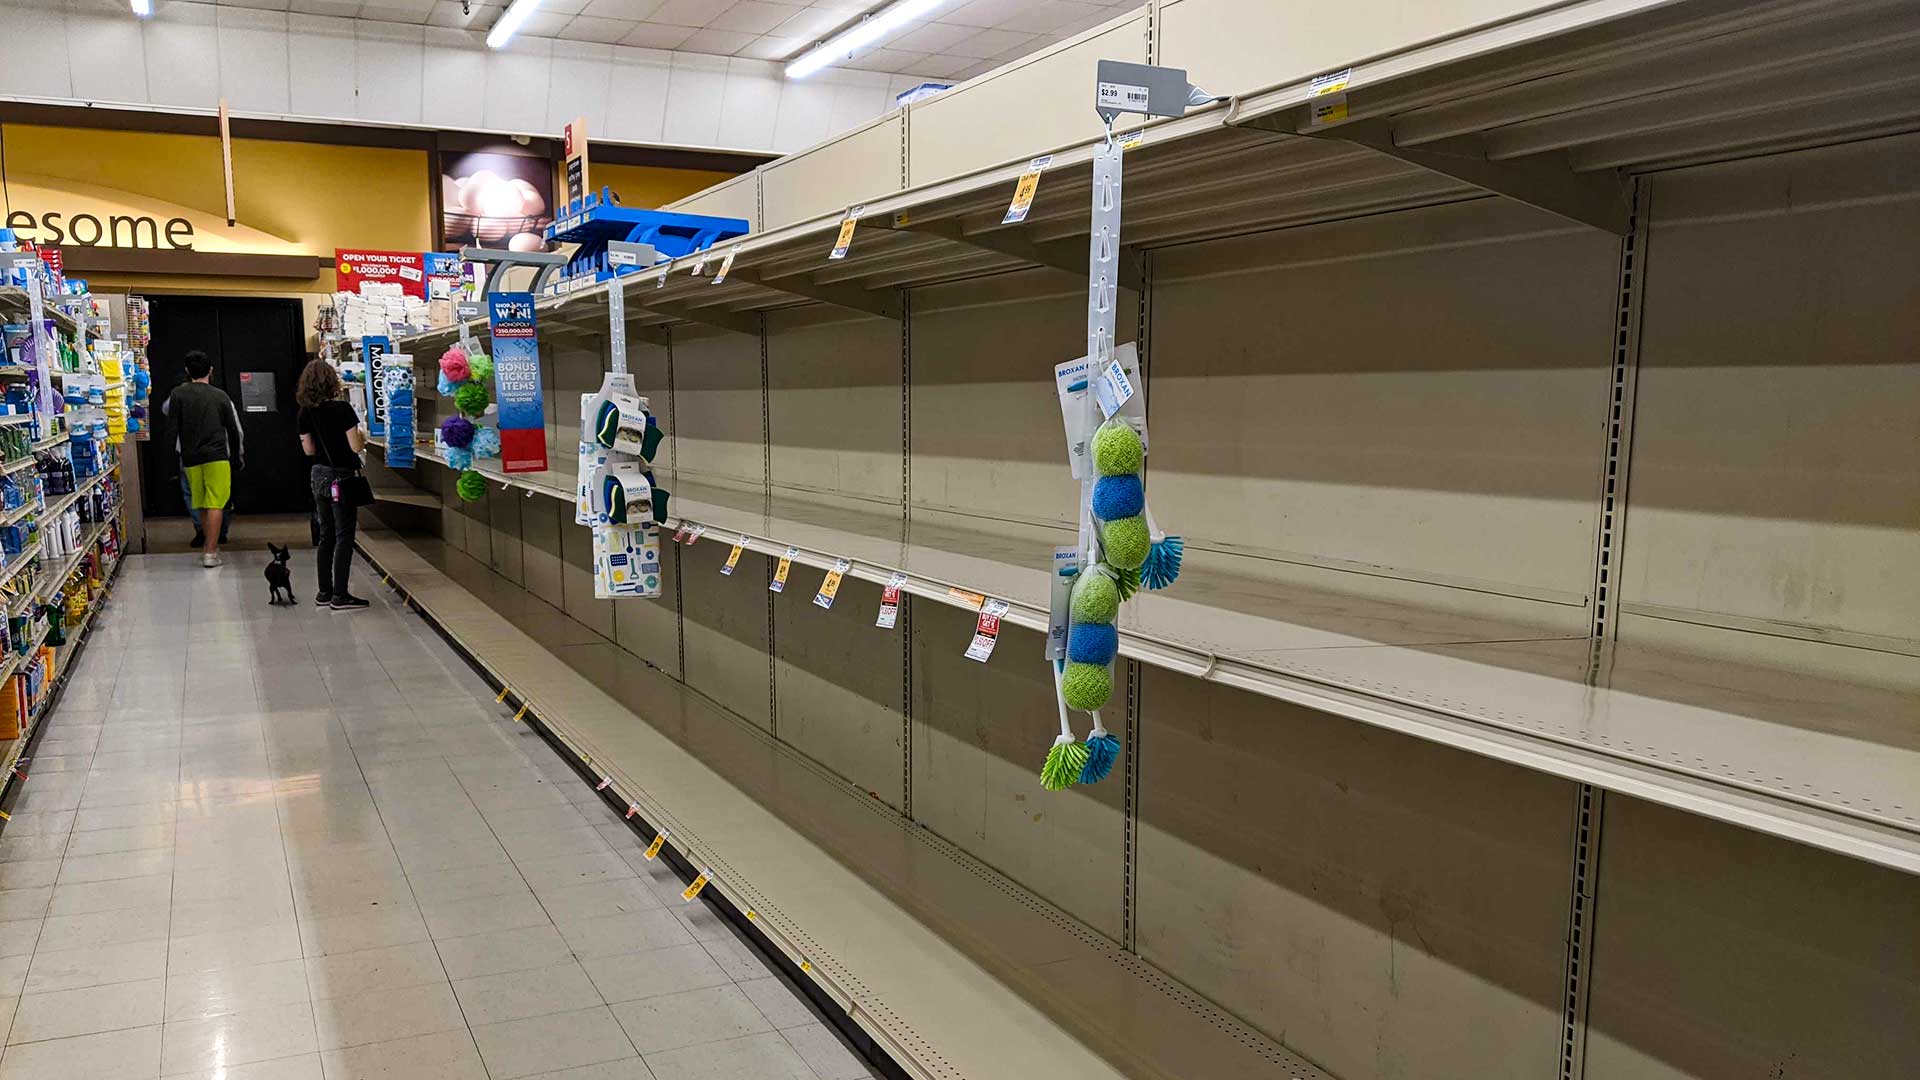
x=626, y=561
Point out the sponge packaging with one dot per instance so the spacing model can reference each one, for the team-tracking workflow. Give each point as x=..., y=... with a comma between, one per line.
x=1096, y=599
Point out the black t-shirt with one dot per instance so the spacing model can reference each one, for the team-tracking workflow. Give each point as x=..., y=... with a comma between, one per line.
x=328, y=424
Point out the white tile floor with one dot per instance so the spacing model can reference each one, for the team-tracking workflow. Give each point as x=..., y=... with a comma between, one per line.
x=291, y=844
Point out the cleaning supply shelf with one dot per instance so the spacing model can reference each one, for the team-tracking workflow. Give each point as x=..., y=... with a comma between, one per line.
x=1768, y=748
x=916, y=941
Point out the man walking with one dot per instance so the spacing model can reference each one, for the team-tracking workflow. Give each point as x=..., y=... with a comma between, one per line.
x=210, y=447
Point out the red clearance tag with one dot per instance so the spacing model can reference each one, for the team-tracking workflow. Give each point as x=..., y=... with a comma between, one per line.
x=986, y=632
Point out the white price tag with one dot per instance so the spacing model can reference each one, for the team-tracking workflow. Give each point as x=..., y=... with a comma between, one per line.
x=986, y=632
x=700, y=264
x=890, y=602
x=1112, y=389
x=1331, y=83
x=726, y=264
x=1122, y=96
x=661, y=281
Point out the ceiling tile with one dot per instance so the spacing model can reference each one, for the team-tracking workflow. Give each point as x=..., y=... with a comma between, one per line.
x=717, y=42
x=450, y=13
x=689, y=12
x=621, y=9
x=341, y=8
x=754, y=16
x=984, y=12
x=120, y=8
x=655, y=36
x=941, y=67
x=769, y=47
x=885, y=60
x=1047, y=16
x=935, y=37
x=543, y=23
x=989, y=43
x=812, y=23
x=588, y=28
x=563, y=7
x=400, y=11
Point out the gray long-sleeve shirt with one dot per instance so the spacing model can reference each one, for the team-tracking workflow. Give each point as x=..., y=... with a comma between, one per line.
x=207, y=423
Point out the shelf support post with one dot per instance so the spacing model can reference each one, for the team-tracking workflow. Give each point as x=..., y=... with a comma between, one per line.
x=1602, y=200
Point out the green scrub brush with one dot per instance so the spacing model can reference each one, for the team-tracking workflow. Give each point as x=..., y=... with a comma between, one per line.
x=1067, y=758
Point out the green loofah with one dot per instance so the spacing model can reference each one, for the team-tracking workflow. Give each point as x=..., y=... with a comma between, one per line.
x=1117, y=449
x=1096, y=599
x=471, y=486
x=1126, y=543
x=481, y=365
x=1063, y=766
x=472, y=398
x=1086, y=686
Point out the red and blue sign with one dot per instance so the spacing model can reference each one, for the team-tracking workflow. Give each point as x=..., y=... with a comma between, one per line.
x=516, y=382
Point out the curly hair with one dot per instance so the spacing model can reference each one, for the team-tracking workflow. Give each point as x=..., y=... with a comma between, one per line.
x=319, y=384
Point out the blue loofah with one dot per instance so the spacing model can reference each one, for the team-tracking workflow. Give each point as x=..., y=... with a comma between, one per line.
x=1163, y=562
x=1092, y=643
x=459, y=458
x=1116, y=497
x=486, y=442
x=446, y=386
x=1103, y=750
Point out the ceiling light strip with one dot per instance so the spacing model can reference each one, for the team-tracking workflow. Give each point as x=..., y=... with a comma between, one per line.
x=510, y=22
x=872, y=29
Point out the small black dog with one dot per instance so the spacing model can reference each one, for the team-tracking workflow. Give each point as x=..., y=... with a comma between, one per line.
x=279, y=580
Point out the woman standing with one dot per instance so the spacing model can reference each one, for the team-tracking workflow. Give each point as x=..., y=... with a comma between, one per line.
x=330, y=432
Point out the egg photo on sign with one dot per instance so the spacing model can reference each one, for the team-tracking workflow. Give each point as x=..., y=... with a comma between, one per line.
x=496, y=200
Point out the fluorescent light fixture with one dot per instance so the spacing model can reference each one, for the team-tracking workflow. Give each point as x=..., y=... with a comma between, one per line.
x=143, y=8
x=859, y=36
x=509, y=23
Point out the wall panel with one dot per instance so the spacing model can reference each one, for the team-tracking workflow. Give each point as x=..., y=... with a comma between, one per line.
x=838, y=682
x=980, y=733
x=717, y=408
x=856, y=166
x=834, y=404
x=540, y=550
x=1723, y=952
x=1385, y=906
x=987, y=439
x=1775, y=473
x=650, y=629
x=726, y=629
x=505, y=546
x=576, y=582
x=1359, y=396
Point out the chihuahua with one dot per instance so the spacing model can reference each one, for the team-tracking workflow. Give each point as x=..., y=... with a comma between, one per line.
x=279, y=579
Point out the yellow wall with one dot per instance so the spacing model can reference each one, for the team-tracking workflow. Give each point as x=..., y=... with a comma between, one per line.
x=319, y=197
x=648, y=187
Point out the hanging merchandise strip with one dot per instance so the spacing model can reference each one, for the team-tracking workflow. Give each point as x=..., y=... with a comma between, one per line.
x=617, y=327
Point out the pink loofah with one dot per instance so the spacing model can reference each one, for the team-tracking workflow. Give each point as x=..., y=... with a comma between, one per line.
x=453, y=364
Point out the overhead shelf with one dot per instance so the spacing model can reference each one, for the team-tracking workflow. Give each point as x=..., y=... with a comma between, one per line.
x=1771, y=749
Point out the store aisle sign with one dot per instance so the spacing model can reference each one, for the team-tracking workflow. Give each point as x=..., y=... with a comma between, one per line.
x=407, y=269
x=516, y=382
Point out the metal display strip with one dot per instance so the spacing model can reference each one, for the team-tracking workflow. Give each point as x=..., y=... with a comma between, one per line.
x=1184, y=1025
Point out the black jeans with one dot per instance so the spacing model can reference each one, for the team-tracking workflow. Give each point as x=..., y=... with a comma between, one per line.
x=334, y=525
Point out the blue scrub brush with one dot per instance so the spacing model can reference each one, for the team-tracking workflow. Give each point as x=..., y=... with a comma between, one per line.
x=1103, y=749
x=1162, y=567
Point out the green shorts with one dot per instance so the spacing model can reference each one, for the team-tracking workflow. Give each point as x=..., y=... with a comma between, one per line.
x=211, y=484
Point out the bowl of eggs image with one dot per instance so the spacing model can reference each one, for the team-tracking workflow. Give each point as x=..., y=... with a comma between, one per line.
x=494, y=210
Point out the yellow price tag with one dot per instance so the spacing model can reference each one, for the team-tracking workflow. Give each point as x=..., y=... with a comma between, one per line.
x=970, y=599
x=1024, y=190
x=1132, y=139
x=693, y=890
x=845, y=239
x=521, y=715
x=830, y=585
x=1327, y=110
x=733, y=557
x=780, y=572
x=653, y=849
x=806, y=965
x=502, y=697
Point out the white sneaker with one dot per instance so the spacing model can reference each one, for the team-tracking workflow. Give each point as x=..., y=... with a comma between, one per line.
x=211, y=561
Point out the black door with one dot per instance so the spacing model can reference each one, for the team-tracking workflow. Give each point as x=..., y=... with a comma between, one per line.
x=258, y=348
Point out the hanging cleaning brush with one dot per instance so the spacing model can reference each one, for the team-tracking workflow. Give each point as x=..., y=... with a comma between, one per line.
x=1162, y=567
x=1067, y=759
x=1103, y=749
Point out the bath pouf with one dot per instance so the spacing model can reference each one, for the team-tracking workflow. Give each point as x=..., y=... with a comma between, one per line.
x=1126, y=542
x=486, y=442
x=1117, y=449
x=446, y=386
x=454, y=365
x=1086, y=686
x=472, y=398
x=457, y=432
x=481, y=366
x=1096, y=599
x=472, y=487
x=1116, y=497
x=459, y=460
x=1092, y=643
